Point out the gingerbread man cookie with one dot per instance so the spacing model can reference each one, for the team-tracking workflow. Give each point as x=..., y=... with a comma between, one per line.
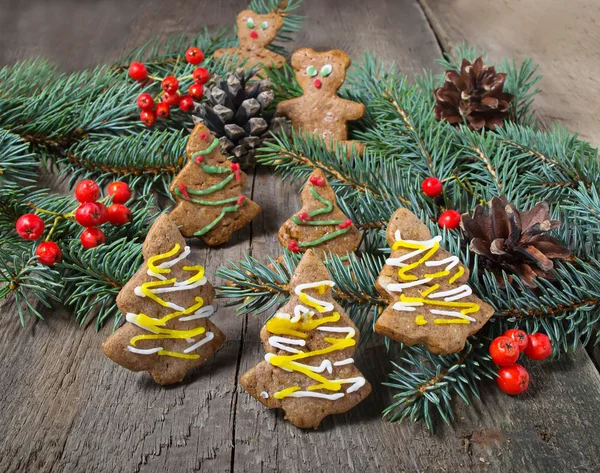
x=255, y=32
x=426, y=287
x=320, y=224
x=320, y=110
x=308, y=370
x=208, y=190
x=167, y=305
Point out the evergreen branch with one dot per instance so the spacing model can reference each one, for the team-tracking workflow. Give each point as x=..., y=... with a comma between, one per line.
x=292, y=23
x=17, y=163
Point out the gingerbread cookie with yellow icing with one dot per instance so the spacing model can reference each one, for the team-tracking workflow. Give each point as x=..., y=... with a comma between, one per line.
x=426, y=287
x=208, y=191
x=319, y=110
x=308, y=369
x=255, y=32
x=320, y=224
x=166, y=304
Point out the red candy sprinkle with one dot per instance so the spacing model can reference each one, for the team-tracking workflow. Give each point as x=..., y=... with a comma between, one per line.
x=184, y=191
x=253, y=34
x=241, y=199
x=345, y=224
x=293, y=246
x=202, y=136
x=317, y=181
x=304, y=216
x=198, y=159
x=317, y=83
x=235, y=167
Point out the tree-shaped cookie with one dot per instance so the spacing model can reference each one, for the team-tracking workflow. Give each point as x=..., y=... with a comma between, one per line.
x=320, y=110
x=255, y=32
x=320, y=224
x=308, y=370
x=426, y=287
x=166, y=305
x=208, y=190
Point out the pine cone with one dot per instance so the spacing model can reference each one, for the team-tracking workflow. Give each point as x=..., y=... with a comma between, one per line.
x=234, y=112
x=507, y=240
x=476, y=95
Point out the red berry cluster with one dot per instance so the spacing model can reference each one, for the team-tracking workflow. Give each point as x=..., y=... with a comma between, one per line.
x=505, y=351
x=160, y=105
x=92, y=212
x=433, y=187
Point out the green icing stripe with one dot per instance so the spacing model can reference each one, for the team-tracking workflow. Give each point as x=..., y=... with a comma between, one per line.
x=316, y=223
x=211, y=225
x=325, y=238
x=211, y=189
x=208, y=150
x=328, y=205
x=206, y=202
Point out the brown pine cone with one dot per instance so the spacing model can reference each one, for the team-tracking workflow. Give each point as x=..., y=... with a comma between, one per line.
x=507, y=240
x=476, y=95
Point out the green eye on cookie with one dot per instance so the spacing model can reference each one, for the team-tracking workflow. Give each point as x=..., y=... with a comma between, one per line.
x=311, y=71
x=250, y=23
x=326, y=70
x=264, y=25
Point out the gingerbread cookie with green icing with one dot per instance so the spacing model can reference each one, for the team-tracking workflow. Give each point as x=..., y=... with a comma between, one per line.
x=208, y=191
x=426, y=287
x=320, y=224
x=255, y=32
x=308, y=370
x=320, y=110
x=166, y=304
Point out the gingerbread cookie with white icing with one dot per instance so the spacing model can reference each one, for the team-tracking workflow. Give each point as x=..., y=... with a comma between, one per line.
x=255, y=32
x=320, y=224
x=208, y=191
x=319, y=110
x=308, y=370
x=166, y=304
x=426, y=287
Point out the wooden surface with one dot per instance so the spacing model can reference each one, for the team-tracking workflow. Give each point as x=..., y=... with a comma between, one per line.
x=66, y=408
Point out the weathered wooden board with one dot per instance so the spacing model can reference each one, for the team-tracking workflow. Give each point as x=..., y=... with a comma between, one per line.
x=67, y=408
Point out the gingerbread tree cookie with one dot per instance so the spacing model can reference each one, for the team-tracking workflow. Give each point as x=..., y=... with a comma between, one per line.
x=208, y=190
x=255, y=32
x=319, y=110
x=308, y=370
x=167, y=305
x=320, y=224
x=426, y=287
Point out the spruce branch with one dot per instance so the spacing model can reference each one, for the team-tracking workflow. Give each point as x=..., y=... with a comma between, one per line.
x=17, y=163
x=292, y=23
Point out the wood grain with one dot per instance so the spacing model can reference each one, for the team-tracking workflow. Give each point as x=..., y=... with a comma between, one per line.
x=66, y=408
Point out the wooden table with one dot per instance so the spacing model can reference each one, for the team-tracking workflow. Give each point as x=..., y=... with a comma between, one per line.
x=66, y=408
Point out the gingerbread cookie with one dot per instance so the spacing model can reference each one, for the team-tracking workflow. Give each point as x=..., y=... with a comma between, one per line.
x=255, y=32
x=167, y=305
x=208, y=191
x=426, y=287
x=319, y=110
x=308, y=370
x=320, y=224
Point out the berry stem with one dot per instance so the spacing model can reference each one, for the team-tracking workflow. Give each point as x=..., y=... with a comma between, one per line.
x=155, y=78
x=54, y=225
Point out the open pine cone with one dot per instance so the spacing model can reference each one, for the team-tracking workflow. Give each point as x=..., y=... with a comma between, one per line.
x=234, y=112
x=476, y=95
x=507, y=240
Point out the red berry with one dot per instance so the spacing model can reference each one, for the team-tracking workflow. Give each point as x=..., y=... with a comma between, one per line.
x=103, y=213
x=432, y=187
x=513, y=379
x=120, y=192
x=504, y=351
x=450, y=219
x=90, y=214
x=87, y=191
x=196, y=91
x=48, y=253
x=539, y=347
x=30, y=226
x=92, y=237
x=148, y=117
x=186, y=104
x=163, y=110
x=137, y=71
x=145, y=102
x=172, y=100
x=170, y=84
x=194, y=56
x=119, y=215
x=519, y=337
x=201, y=75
